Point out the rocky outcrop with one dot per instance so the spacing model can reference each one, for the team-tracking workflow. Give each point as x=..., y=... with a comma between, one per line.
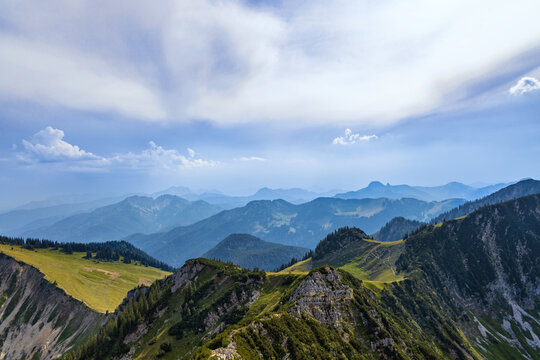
x=36, y=317
x=323, y=296
x=186, y=273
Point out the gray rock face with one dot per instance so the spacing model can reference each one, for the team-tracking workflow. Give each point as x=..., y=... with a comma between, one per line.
x=186, y=273
x=36, y=317
x=233, y=302
x=324, y=297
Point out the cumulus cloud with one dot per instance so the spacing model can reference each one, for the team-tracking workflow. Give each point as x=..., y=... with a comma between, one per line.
x=296, y=63
x=251, y=158
x=524, y=85
x=48, y=146
x=350, y=138
x=158, y=157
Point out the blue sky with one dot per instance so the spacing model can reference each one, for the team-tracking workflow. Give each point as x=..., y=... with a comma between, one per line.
x=102, y=97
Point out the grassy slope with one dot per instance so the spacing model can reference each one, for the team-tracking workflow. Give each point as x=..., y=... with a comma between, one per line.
x=100, y=285
x=372, y=261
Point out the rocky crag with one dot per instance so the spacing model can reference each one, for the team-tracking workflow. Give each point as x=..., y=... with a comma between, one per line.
x=37, y=319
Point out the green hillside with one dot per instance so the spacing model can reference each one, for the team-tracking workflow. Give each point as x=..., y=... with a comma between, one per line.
x=250, y=252
x=101, y=285
x=396, y=229
x=212, y=310
x=352, y=250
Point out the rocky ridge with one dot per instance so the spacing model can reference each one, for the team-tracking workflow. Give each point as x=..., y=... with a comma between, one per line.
x=37, y=318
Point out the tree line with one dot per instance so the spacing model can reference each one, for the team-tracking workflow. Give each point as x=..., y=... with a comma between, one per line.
x=105, y=251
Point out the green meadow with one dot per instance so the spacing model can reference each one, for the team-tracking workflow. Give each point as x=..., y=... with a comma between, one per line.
x=101, y=285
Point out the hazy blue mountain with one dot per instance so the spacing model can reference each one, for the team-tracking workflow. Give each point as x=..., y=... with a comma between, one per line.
x=134, y=214
x=181, y=191
x=519, y=189
x=451, y=190
x=293, y=195
x=250, y=252
x=69, y=199
x=285, y=223
x=28, y=217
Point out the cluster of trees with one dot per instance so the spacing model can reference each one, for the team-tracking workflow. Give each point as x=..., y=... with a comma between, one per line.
x=106, y=251
x=294, y=260
x=338, y=240
x=108, y=342
x=418, y=230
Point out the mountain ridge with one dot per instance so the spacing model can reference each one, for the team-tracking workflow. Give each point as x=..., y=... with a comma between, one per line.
x=519, y=189
x=285, y=223
x=133, y=214
x=376, y=189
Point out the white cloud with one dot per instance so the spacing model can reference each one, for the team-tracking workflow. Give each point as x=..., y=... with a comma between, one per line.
x=158, y=157
x=524, y=85
x=350, y=138
x=48, y=145
x=304, y=63
x=251, y=158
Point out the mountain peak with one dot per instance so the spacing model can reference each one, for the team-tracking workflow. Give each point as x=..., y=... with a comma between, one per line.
x=376, y=184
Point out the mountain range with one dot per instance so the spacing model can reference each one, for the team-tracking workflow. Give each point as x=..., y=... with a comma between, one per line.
x=32, y=218
x=284, y=223
x=375, y=189
x=519, y=189
x=36, y=215
x=292, y=195
x=135, y=214
x=451, y=190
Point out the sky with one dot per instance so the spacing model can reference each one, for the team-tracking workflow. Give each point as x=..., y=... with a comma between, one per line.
x=101, y=97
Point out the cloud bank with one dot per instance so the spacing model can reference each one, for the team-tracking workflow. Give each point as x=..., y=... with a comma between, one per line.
x=230, y=62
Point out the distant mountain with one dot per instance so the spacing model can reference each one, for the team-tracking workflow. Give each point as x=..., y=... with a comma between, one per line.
x=180, y=191
x=285, y=223
x=396, y=228
x=293, y=195
x=451, y=190
x=251, y=252
x=136, y=214
x=522, y=188
x=36, y=215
